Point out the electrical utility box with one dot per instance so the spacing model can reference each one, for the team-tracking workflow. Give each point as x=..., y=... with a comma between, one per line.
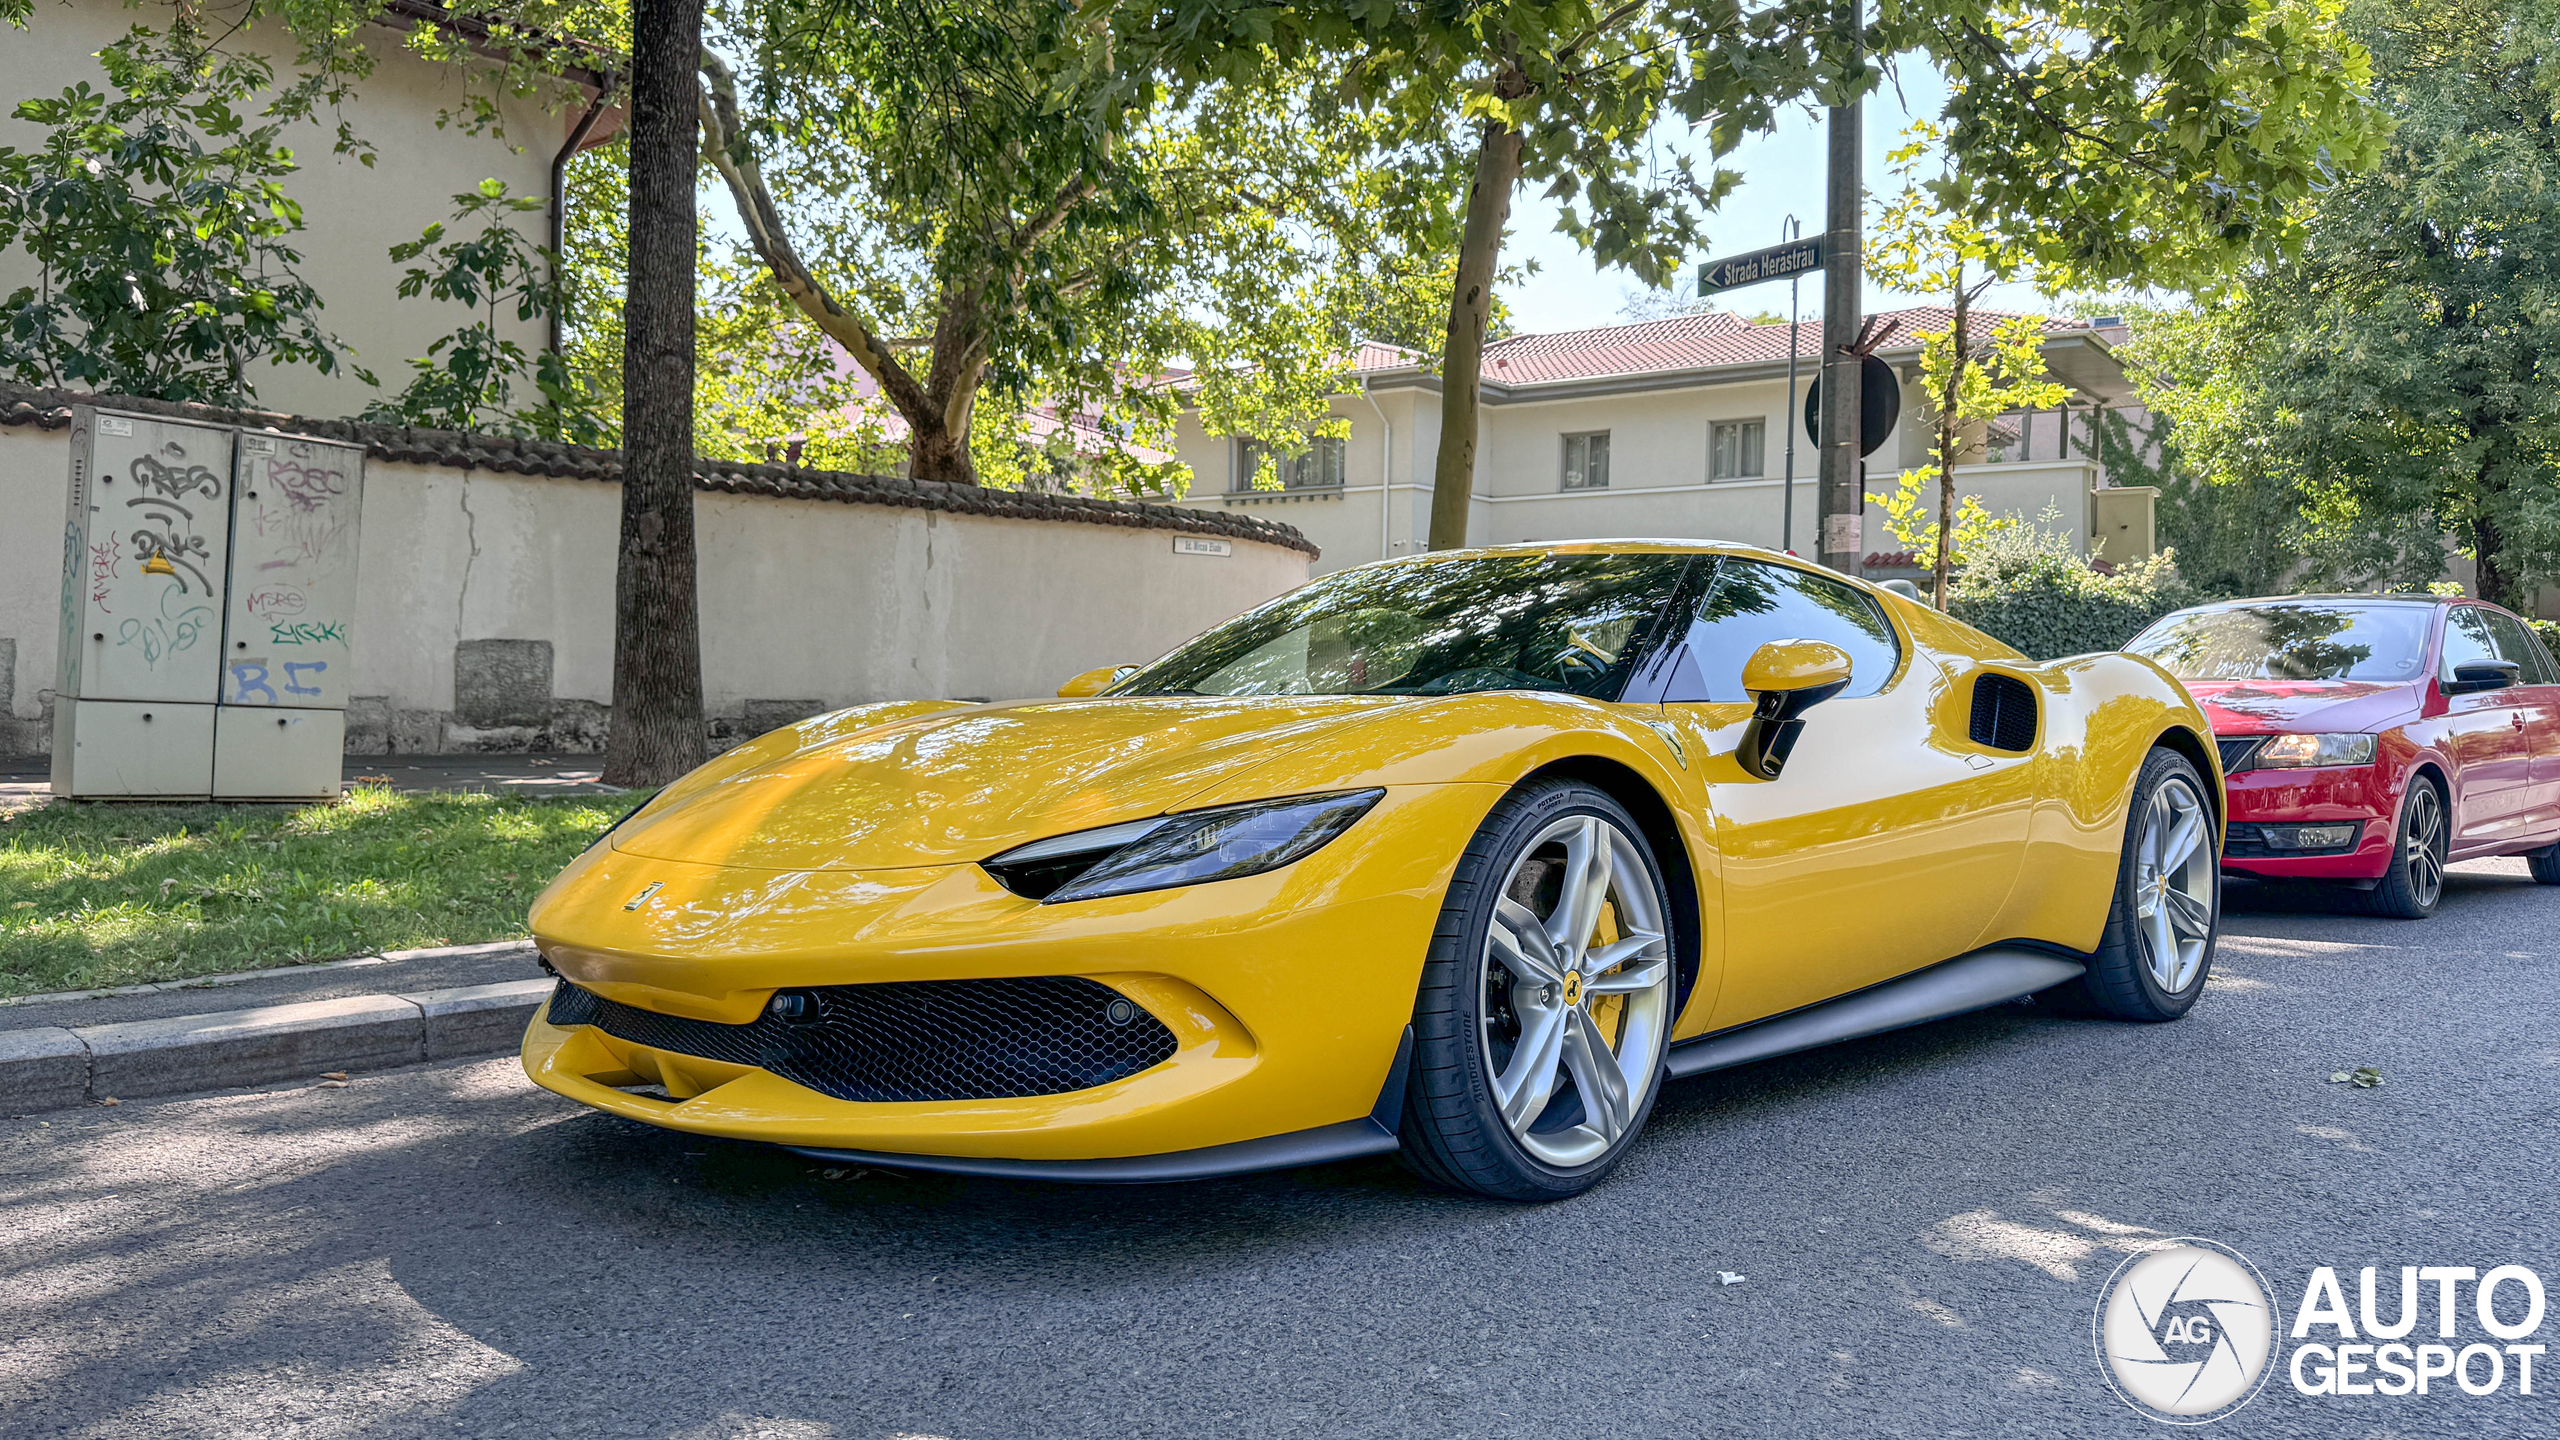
x=208, y=580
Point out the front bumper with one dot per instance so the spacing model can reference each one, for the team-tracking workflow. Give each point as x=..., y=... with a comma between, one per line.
x=1287, y=994
x=2359, y=796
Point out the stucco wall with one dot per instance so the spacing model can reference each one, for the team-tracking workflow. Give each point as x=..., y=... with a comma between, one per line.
x=352, y=213
x=806, y=604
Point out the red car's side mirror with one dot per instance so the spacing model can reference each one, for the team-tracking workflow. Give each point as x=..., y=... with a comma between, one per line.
x=2473, y=675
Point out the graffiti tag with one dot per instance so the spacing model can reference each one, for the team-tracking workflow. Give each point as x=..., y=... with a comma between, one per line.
x=303, y=632
x=167, y=633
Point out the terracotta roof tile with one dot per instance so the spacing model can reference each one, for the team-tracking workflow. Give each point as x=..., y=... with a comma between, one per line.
x=1686, y=342
x=403, y=444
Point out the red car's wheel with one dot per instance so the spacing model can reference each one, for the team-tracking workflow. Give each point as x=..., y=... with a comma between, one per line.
x=2415, y=881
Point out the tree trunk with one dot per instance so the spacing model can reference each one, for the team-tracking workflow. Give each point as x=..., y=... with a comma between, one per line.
x=2490, y=575
x=936, y=452
x=657, y=730
x=1470, y=306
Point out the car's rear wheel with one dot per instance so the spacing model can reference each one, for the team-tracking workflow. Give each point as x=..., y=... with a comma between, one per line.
x=2415, y=882
x=2545, y=864
x=1546, y=1001
x=2157, y=947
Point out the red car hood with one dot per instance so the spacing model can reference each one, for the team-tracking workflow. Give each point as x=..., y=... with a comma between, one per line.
x=2259, y=707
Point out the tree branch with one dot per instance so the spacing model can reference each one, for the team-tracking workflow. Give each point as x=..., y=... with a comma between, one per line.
x=725, y=143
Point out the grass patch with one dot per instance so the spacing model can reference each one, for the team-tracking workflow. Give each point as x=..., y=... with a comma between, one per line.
x=94, y=895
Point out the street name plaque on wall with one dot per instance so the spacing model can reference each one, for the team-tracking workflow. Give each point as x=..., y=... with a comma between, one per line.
x=1198, y=545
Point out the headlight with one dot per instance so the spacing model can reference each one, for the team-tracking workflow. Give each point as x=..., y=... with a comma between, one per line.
x=2289, y=752
x=1204, y=845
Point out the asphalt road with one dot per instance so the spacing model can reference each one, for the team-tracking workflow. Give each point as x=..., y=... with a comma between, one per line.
x=1925, y=1220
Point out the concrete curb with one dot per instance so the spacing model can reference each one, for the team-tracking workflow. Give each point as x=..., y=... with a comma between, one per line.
x=208, y=982
x=48, y=1067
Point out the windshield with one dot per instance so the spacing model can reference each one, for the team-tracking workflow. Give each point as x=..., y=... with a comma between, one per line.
x=2299, y=640
x=1499, y=622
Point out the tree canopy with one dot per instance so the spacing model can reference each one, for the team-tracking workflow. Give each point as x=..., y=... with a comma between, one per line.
x=2394, y=386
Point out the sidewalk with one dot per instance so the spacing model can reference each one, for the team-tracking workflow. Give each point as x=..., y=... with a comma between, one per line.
x=26, y=779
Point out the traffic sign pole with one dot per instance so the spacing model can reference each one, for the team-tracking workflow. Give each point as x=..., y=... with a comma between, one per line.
x=1837, y=488
x=1795, y=318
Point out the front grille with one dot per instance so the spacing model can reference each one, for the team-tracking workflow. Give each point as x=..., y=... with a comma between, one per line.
x=2239, y=752
x=2241, y=839
x=2004, y=713
x=914, y=1040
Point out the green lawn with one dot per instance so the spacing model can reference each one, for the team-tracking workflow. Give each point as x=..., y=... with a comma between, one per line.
x=95, y=894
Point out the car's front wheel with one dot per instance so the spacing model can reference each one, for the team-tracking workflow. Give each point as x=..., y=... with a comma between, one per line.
x=2157, y=947
x=1546, y=1001
x=2415, y=882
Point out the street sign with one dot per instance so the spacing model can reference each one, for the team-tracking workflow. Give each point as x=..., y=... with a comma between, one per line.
x=1775, y=263
x=1879, y=405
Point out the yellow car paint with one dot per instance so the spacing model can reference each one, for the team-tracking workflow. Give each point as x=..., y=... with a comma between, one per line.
x=844, y=850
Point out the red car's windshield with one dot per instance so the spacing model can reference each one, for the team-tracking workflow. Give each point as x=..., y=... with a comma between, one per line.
x=2293, y=640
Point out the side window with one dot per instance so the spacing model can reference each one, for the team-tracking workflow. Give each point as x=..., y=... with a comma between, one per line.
x=1748, y=604
x=2517, y=644
x=2466, y=638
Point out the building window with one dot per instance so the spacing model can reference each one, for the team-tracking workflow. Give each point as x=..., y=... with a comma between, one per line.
x=1318, y=467
x=1586, y=461
x=1734, y=449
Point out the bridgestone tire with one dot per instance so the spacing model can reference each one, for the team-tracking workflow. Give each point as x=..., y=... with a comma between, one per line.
x=2119, y=983
x=1453, y=1130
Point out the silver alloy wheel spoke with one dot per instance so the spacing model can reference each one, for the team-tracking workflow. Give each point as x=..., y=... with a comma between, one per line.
x=1520, y=943
x=2175, y=881
x=1633, y=980
x=1605, y=1103
x=1523, y=1091
x=1579, y=998
x=1587, y=876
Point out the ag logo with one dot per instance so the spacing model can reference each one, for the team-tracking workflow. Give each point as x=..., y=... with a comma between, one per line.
x=2184, y=1331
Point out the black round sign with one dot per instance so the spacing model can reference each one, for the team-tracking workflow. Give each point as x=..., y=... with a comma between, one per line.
x=1880, y=404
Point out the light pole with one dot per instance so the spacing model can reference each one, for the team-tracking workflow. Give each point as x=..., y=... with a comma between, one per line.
x=1791, y=231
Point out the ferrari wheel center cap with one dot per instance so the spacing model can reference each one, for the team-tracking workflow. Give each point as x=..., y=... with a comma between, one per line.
x=1573, y=987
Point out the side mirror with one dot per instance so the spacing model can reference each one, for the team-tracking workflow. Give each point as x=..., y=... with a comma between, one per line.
x=1095, y=681
x=1786, y=678
x=2473, y=675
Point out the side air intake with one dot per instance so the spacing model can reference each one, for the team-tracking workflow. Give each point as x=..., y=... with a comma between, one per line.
x=2004, y=713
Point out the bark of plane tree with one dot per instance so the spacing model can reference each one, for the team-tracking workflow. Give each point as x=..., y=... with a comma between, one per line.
x=1497, y=174
x=658, y=731
x=936, y=407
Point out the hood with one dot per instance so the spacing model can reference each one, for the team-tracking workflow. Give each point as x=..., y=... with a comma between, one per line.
x=960, y=785
x=2261, y=707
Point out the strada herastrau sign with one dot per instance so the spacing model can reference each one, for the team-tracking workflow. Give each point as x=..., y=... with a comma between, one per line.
x=1775, y=263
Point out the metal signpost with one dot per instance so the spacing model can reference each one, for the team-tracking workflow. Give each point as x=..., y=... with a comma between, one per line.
x=1789, y=262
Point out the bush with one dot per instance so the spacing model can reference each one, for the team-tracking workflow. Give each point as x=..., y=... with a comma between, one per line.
x=2027, y=586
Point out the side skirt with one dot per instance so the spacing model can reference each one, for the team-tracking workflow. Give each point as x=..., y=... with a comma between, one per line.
x=1968, y=982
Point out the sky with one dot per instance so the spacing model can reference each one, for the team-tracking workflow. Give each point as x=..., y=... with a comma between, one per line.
x=1782, y=174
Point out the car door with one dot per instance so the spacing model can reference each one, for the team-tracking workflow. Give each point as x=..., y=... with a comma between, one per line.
x=2537, y=703
x=1881, y=847
x=2485, y=730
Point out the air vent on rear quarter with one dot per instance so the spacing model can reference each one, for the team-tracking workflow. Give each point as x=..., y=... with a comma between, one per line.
x=2004, y=713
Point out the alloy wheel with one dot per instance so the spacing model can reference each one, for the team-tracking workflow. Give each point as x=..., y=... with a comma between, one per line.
x=2173, y=879
x=2423, y=839
x=1577, y=991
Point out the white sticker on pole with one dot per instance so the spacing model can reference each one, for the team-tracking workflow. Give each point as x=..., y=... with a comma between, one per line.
x=1839, y=532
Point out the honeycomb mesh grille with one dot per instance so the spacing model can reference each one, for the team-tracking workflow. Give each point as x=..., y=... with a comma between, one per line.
x=2004, y=713
x=914, y=1040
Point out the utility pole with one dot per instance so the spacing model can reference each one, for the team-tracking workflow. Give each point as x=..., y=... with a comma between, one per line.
x=1843, y=291
x=1794, y=229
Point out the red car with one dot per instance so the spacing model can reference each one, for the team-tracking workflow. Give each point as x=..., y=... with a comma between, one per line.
x=2373, y=739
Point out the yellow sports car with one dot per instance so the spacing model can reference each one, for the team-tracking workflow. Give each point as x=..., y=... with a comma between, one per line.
x=1461, y=855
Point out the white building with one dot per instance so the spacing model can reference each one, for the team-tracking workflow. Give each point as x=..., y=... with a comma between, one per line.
x=1673, y=428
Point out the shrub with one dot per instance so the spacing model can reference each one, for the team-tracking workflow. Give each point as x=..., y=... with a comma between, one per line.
x=2026, y=585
